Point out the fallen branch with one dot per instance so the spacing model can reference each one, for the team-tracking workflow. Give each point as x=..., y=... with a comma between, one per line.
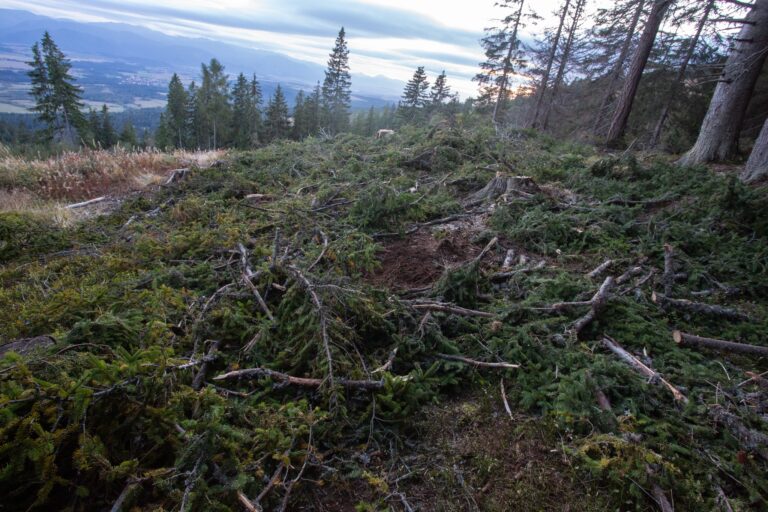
x=248, y=274
x=450, y=308
x=661, y=499
x=699, y=307
x=177, y=175
x=485, y=250
x=669, y=269
x=307, y=382
x=600, y=269
x=474, y=362
x=197, y=382
x=629, y=274
x=322, y=252
x=750, y=439
x=598, y=303
x=504, y=399
x=503, y=276
x=638, y=365
x=86, y=203
x=691, y=340
x=388, y=364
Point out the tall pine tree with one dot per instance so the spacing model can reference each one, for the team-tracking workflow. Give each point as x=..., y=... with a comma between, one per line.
x=176, y=111
x=277, y=125
x=415, y=95
x=337, y=88
x=441, y=91
x=244, y=114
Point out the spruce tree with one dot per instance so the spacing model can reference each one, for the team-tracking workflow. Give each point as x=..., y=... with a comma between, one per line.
x=194, y=118
x=176, y=111
x=300, y=129
x=337, y=88
x=93, y=137
x=244, y=114
x=108, y=136
x=277, y=125
x=213, y=102
x=441, y=91
x=313, y=110
x=57, y=97
x=415, y=95
x=256, y=101
x=128, y=135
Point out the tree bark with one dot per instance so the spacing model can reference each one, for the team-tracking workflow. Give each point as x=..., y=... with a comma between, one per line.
x=757, y=165
x=640, y=59
x=685, y=339
x=680, y=75
x=719, y=135
x=550, y=62
x=563, y=61
x=616, y=73
x=507, y=64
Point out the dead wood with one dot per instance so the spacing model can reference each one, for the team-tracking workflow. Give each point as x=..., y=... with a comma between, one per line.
x=248, y=276
x=449, y=308
x=86, y=203
x=699, y=307
x=388, y=364
x=757, y=378
x=27, y=345
x=322, y=252
x=629, y=274
x=503, y=276
x=509, y=259
x=600, y=269
x=600, y=396
x=474, y=362
x=661, y=499
x=485, y=251
x=669, y=269
x=122, y=502
x=638, y=365
x=598, y=303
x=750, y=439
x=504, y=399
x=504, y=186
x=691, y=340
x=255, y=373
x=199, y=380
x=177, y=175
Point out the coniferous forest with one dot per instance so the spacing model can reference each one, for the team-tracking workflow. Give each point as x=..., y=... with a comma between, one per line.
x=550, y=296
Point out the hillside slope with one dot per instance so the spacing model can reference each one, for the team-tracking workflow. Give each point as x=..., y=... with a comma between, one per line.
x=335, y=325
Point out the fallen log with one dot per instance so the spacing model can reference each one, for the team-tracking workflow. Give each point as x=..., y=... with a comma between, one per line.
x=474, y=362
x=177, y=175
x=691, y=340
x=750, y=439
x=698, y=307
x=638, y=365
x=307, y=382
x=629, y=274
x=600, y=269
x=598, y=303
x=86, y=203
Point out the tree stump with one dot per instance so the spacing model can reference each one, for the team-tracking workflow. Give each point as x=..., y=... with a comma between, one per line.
x=505, y=187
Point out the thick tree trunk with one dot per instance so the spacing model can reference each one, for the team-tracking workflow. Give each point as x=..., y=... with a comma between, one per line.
x=550, y=61
x=680, y=75
x=564, y=61
x=757, y=165
x=627, y=97
x=508, y=69
x=617, y=69
x=719, y=135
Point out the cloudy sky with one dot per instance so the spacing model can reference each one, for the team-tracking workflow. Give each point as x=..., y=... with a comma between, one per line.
x=386, y=37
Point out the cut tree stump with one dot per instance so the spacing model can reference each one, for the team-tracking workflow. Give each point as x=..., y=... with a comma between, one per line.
x=501, y=185
x=691, y=340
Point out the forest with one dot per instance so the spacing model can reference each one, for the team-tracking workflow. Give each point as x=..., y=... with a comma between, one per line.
x=550, y=296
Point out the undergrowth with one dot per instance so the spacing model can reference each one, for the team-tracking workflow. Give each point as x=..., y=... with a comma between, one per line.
x=137, y=299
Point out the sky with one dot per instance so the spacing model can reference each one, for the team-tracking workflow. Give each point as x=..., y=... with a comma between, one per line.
x=385, y=37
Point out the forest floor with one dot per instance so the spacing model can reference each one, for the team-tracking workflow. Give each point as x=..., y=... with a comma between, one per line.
x=406, y=324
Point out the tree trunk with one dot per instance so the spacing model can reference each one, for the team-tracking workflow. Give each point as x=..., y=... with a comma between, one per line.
x=563, y=61
x=507, y=64
x=550, y=61
x=616, y=73
x=757, y=165
x=719, y=135
x=680, y=75
x=624, y=107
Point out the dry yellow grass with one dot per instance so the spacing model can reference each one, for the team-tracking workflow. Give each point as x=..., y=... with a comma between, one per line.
x=75, y=176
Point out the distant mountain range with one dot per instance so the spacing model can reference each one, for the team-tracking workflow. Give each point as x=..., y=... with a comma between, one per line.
x=128, y=67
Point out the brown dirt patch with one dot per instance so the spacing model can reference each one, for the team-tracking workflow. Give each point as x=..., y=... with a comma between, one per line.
x=419, y=259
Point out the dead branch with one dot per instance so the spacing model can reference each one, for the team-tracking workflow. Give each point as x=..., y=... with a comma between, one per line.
x=691, y=340
x=600, y=269
x=598, y=303
x=509, y=259
x=661, y=499
x=669, y=269
x=86, y=203
x=248, y=275
x=449, y=308
x=638, y=365
x=722, y=499
x=122, y=501
x=629, y=274
x=699, y=307
x=757, y=378
x=504, y=399
x=485, y=251
x=310, y=289
x=307, y=382
x=750, y=439
x=474, y=362
x=388, y=364
x=639, y=283
x=503, y=276
x=600, y=396
x=197, y=382
x=322, y=252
